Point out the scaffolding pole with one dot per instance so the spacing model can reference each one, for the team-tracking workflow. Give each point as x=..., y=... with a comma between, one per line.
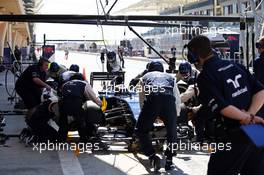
x=82, y=18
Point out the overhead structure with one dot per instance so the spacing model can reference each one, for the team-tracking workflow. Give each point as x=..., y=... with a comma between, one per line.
x=125, y=20
x=81, y=19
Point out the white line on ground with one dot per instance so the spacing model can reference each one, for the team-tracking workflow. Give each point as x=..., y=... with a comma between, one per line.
x=69, y=163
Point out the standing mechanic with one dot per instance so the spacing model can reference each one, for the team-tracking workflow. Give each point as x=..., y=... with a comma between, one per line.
x=29, y=85
x=74, y=94
x=234, y=96
x=17, y=53
x=113, y=62
x=161, y=98
x=258, y=64
x=120, y=52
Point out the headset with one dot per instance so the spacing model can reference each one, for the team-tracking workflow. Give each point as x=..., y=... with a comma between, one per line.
x=191, y=57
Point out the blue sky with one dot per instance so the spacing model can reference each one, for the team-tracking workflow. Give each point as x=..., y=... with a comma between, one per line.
x=71, y=31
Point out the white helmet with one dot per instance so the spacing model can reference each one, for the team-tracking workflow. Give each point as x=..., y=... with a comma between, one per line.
x=103, y=50
x=49, y=95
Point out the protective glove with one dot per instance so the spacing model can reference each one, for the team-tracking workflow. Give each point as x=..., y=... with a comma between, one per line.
x=104, y=104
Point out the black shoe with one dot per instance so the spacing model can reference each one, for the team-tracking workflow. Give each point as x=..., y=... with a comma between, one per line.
x=168, y=164
x=155, y=162
x=25, y=133
x=103, y=146
x=30, y=141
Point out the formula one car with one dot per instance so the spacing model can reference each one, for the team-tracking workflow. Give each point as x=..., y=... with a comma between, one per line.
x=122, y=113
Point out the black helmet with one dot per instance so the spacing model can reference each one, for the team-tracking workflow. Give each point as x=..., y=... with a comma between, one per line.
x=75, y=68
x=185, y=68
x=155, y=66
x=111, y=56
x=54, y=67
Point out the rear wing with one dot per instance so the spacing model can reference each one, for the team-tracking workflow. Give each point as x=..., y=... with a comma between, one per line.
x=105, y=76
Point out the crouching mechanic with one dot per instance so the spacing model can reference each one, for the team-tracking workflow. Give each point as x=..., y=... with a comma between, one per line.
x=161, y=96
x=187, y=73
x=38, y=122
x=229, y=90
x=203, y=126
x=55, y=70
x=74, y=93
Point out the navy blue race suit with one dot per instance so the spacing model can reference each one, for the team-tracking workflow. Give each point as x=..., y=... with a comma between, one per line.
x=222, y=83
x=27, y=89
x=160, y=103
